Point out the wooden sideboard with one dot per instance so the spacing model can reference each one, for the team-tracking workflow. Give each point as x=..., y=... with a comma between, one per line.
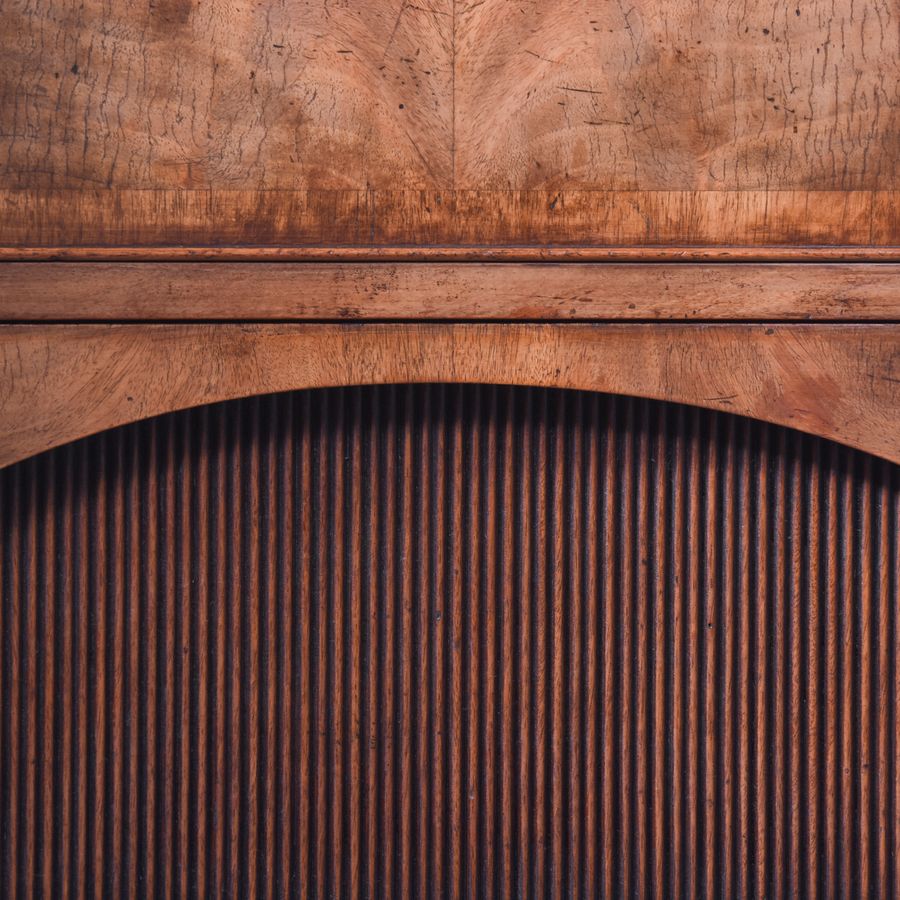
x=449, y=449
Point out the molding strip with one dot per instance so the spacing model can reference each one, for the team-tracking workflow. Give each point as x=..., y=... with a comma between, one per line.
x=454, y=253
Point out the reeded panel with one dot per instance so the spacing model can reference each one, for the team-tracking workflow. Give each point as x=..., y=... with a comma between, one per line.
x=414, y=640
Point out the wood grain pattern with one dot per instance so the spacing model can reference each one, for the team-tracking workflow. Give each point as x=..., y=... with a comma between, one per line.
x=61, y=382
x=449, y=640
x=237, y=96
x=646, y=96
x=388, y=122
x=336, y=291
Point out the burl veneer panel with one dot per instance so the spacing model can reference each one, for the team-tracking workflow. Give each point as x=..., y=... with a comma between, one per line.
x=238, y=96
x=421, y=641
x=659, y=96
x=391, y=122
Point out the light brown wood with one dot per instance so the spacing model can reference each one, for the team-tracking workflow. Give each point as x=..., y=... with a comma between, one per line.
x=336, y=291
x=61, y=382
x=455, y=122
x=660, y=96
x=235, y=96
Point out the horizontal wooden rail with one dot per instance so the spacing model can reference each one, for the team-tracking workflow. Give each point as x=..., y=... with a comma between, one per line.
x=116, y=291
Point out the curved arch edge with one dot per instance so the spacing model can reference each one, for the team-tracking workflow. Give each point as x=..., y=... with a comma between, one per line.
x=64, y=382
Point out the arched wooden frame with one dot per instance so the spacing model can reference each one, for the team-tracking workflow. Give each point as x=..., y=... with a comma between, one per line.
x=63, y=382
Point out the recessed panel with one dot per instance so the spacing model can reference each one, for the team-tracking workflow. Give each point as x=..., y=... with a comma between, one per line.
x=429, y=640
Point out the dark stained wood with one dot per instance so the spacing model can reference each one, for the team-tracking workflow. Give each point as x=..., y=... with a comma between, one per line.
x=61, y=382
x=438, y=253
x=129, y=218
x=277, y=290
x=430, y=640
x=484, y=123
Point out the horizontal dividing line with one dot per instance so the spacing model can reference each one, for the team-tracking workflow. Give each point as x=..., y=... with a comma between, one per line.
x=422, y=263
x=461, y=254
x=420, y=322
x=459, y=191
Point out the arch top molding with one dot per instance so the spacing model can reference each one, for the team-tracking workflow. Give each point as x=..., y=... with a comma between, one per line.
x=63, y=382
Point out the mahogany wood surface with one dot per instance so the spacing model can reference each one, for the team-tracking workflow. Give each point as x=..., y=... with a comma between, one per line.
x=277, y=290
x=451, y=628
x=454, y=122
x=61, y=382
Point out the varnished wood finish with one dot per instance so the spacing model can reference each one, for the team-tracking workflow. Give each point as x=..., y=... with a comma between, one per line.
x=277, y=290
x=449, y=641
x=61, y=382
x=444, y=639
x=453, y=122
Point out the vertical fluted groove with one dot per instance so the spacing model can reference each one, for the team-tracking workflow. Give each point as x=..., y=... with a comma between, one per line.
x=449, y=641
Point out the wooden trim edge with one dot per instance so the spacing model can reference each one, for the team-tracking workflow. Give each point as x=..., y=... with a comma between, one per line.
x=455, y=253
